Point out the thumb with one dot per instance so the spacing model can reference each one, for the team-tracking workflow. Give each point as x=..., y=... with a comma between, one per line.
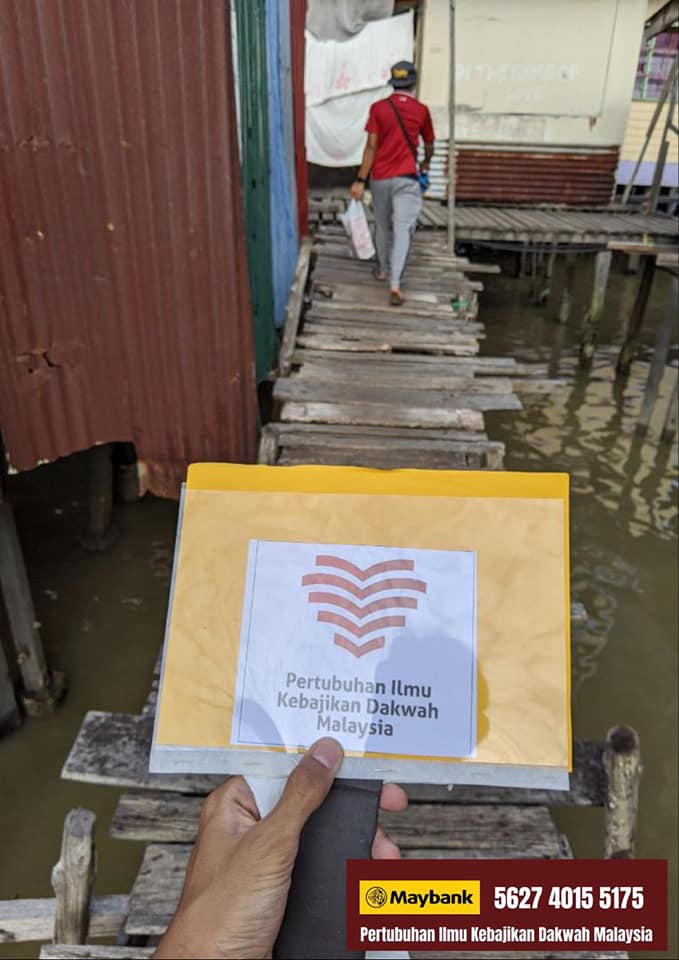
x=309, y=783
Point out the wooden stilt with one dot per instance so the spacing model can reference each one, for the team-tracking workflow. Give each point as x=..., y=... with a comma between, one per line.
x=73, y=877
x=567, y=290
x=523, y=269
x=590, y=327
x=10, y=717
x=670, y=426
x=633, y=261
x=663, y=337
x=549, y=264
x=23, y=626
x=622, y=763
x=101, y=532
x=636, y=318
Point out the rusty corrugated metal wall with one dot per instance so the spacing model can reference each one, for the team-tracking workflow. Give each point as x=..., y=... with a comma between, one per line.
x=525, y=175
x=123, y=276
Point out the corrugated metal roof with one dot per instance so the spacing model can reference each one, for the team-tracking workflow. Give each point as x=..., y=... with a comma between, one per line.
x=123, y=281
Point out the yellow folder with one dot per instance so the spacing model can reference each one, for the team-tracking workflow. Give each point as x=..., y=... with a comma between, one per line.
x=517, y=526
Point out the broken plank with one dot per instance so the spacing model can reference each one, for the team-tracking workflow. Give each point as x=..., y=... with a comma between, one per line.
x=453, y=346
x=294, y=307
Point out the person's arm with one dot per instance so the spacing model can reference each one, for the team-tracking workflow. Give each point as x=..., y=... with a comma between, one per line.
x=428, y=136
x=358, y=186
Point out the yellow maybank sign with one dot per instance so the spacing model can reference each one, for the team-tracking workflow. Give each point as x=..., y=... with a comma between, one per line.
x=420, y=896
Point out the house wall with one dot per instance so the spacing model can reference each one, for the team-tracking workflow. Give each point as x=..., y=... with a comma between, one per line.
x=528, y=72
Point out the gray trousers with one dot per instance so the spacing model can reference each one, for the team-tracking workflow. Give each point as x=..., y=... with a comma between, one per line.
x=396, y=204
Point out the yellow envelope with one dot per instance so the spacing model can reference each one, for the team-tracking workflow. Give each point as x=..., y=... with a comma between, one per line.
x=515, y=524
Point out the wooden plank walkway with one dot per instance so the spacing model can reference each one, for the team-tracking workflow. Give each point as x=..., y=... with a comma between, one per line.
x=527, y=225
x=366, y=384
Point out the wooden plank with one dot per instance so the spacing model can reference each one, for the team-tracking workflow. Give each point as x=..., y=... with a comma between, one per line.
x=65, y=951
x=455, y=345
x=361, y=392
x=505, y=832
x=423, y=362
x=295, y=433
x=381, y=325
x=162, y=818
x=113, y=748
x=383, y=460
x=268, y=447
x=294, y=308
x=23, y=920
x=393, y=377
x=380, y=414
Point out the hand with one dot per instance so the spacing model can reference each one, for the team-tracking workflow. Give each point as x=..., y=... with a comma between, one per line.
x=357, y=190
x=238, y=877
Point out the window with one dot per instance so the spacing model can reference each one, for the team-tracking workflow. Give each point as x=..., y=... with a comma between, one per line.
x=655, y=63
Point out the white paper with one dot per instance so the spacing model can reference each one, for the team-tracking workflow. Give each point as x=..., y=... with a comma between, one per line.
x=375, y=646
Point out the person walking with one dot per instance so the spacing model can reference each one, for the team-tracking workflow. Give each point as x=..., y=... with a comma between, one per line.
x=394, y=128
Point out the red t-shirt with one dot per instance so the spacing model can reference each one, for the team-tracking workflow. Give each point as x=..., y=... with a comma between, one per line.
x=394, y=157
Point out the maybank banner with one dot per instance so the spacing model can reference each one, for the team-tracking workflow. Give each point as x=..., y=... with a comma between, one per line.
x=420, y=896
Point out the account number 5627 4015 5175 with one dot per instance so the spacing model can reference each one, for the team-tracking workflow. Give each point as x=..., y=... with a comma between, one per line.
x=569, y=898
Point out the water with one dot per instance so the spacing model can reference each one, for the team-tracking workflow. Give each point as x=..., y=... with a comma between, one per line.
x=102, y=619
x=623, y=536
x=103, y=615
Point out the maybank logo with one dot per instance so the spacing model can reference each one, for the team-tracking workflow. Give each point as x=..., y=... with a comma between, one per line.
x=420, y=896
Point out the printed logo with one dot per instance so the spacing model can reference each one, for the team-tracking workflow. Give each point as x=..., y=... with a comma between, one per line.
x=355, y=614
x=376, y=897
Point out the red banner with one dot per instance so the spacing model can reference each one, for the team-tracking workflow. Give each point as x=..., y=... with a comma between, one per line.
x=507, y=904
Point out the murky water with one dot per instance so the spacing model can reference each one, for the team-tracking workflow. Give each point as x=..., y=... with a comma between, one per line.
x=623, y=535
x=103, y=614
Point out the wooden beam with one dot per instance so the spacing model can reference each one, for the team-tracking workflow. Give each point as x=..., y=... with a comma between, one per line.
x=636, y=319
x=73, y=877
x=23, y=623
x=590, y=328
x=293, y=311
x=663, y=338
x=10, y=718
x=24, y=920
x=622, y=762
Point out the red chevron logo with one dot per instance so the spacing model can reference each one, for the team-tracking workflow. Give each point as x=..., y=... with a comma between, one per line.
x=354, y=618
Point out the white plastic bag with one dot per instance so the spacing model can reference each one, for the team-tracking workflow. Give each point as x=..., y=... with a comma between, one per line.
x=356, y=224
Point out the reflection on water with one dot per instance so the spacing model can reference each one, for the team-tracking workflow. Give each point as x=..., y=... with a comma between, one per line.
x=623, y=534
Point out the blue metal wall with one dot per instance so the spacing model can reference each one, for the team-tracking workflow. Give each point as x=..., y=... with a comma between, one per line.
x=282, y=188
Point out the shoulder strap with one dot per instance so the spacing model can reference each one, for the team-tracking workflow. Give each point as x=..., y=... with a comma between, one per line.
x=413, y=149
